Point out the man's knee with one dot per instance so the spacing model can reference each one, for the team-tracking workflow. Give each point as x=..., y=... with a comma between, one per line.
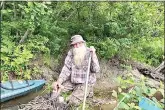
x=74, y=101
x=68, y=86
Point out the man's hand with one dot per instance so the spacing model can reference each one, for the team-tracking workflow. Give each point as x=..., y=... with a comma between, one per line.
x=92, y=49
x=57, y=86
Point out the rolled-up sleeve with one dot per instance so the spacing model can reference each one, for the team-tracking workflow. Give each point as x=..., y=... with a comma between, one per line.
x=66, y=70
x=95, y=67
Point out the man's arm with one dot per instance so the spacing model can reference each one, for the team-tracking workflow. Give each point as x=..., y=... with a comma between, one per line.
x=66, y=70
x=94, y=61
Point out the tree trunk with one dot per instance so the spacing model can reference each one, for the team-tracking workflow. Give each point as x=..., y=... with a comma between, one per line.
x=2, y=8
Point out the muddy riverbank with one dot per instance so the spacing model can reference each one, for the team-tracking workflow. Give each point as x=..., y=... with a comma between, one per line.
x=106, y=83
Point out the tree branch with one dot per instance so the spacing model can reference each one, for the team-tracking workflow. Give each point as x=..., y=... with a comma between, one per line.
x=25, y=36
x=160, y=67
x=70, y=15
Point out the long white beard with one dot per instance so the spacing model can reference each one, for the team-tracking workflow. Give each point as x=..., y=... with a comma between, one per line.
x=79, y=54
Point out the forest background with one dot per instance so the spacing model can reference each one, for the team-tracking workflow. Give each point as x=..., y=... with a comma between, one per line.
x=126, y=30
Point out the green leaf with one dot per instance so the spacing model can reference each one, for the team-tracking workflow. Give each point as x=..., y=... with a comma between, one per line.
x=131, y=105
x=137, y=107
x=124, y=106
x=30, y=4
x=126, y=94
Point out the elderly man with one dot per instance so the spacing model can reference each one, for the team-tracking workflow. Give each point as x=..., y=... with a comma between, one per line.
x=74, y=72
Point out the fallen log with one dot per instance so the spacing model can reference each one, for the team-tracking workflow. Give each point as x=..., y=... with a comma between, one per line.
x=149, y=71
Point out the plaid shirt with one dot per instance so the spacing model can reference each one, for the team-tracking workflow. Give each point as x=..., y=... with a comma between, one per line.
x=78, y=74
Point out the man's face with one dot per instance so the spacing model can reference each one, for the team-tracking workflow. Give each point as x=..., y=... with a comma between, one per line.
x=79, y=51
x=79, y=44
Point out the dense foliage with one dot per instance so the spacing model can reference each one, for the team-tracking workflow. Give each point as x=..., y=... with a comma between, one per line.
x=130, y=30
x=130, y=100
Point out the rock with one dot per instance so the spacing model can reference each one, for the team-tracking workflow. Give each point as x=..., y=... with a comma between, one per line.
x=103, y=104
x=150, y=82
x=158, y=95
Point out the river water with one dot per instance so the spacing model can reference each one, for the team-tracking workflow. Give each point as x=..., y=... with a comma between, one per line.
x=13, y=104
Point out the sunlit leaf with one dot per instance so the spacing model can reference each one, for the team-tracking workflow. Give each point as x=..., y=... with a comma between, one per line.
x=124, y=106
